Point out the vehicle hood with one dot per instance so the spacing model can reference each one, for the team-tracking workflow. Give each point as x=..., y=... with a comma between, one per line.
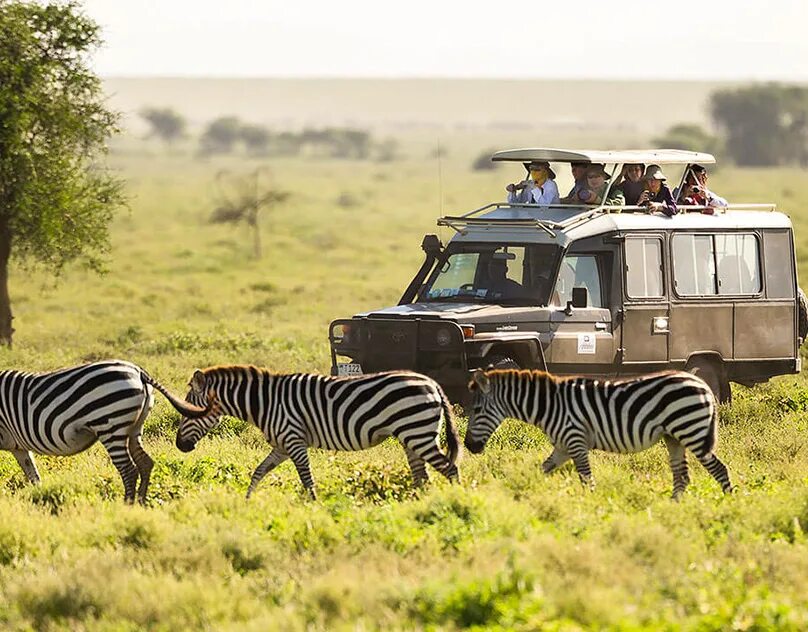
x=461, y=312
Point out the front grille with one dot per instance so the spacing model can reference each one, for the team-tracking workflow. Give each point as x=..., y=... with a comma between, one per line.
x=390, y=344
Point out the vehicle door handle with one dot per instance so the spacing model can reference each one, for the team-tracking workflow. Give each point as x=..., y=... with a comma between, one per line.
x=601, y=326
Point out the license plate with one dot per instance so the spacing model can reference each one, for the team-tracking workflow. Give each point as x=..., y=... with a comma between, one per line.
x=349, y=368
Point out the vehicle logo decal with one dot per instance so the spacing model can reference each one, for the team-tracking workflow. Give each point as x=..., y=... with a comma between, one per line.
x=398, y=337
x=507, y=328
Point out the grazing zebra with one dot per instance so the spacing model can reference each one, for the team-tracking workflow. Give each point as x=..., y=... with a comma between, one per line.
x=580, y=414
x=299, y=411
x=65, y=412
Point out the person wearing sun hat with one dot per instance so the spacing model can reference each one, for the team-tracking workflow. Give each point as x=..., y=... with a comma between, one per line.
x=539, y=188
x=596, y=177
x=695, y=191
x=657, y=195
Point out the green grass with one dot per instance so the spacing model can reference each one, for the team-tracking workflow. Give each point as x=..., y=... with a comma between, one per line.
x=507, y=548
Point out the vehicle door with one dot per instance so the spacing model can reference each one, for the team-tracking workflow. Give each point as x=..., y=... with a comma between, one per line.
x=701, y=305
x=582, y=338
x=646, y=306
x=764, y=312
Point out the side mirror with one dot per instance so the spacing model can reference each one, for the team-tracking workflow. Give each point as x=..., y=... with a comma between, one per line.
x=580, y=298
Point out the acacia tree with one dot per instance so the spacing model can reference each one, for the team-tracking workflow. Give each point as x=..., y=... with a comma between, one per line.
x=765, y=124
x=165, y=123
x=56, y=199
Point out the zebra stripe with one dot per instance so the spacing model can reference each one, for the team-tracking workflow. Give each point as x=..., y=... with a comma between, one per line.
x=581, y=414
x=66, y=411
x=300, y=410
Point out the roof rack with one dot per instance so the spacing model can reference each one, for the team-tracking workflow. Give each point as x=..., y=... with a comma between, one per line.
x=645, y=156
x=550, y=225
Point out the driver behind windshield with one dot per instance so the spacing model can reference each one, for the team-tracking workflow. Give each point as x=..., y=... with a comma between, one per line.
x=499, y=285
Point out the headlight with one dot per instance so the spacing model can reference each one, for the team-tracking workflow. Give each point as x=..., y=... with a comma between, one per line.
x=342, y=333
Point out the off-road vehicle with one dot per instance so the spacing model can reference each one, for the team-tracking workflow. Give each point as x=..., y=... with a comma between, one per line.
x=593, y=290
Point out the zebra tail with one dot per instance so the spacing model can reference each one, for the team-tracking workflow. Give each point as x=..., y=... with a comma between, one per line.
x=452, y=436
x=189, y=410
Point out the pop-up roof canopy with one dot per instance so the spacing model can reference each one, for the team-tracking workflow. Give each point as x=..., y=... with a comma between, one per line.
x=645, y=156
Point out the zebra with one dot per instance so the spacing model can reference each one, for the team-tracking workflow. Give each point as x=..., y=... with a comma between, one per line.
x=66, y=411
x=580, y=414
x=302, y=410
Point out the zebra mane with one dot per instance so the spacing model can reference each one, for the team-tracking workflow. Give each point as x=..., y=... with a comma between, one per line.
x=221, y=369
x=523, y=374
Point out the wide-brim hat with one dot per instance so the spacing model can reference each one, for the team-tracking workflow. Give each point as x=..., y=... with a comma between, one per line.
x=654, y=172
x=541, y=163
x=596, y=167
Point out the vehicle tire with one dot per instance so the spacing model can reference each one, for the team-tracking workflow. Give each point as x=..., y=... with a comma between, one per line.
x=802, y=315
x=713, y=375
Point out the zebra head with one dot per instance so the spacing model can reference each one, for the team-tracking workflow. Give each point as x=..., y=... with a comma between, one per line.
x=487, y=412
x=191, y=431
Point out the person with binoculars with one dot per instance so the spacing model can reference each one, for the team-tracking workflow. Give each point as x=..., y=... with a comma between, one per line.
x=695, y=192
x=539, y=188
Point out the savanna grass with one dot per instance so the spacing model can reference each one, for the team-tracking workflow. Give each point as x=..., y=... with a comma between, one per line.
x=508, y=548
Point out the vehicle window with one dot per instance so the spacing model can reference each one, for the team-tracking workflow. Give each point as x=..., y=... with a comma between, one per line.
x=644, y=267
x=578, y=271
x=738, y=264
x=494, y=273
x=779, y=253
x=459, y=270
x=694, y=265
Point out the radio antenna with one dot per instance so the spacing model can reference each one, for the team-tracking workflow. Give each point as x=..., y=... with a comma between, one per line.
x=440, y=177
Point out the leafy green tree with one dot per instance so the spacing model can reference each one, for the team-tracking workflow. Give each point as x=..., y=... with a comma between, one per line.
x=689, y=137
x=764, y=124
x=166, y=124
x=56, y=198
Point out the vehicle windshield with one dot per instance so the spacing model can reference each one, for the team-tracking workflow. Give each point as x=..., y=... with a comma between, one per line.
x=516, y=274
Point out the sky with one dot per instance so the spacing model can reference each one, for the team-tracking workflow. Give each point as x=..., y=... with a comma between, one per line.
x=585, y=39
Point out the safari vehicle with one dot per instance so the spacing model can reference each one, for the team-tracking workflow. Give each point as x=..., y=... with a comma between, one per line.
x=597, y=291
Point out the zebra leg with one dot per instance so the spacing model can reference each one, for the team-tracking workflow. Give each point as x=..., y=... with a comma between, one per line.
x=417, y=468
x=432, y=455
x=143, y=461
x=300, y=457
x=144, y=464
x=557, y=458
x=580, y=457
x=26, y=461
x=117, y=446
x=678, y=461
x=717, y=470
x=275, y=458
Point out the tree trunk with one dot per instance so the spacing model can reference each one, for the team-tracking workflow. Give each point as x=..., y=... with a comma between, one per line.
x=6, y=330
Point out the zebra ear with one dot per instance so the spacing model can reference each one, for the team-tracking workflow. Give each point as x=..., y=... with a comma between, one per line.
x=198, y=382
x=480, y=380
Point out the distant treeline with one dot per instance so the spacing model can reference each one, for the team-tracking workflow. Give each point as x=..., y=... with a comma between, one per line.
x=228, y=134
x=758, y=125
